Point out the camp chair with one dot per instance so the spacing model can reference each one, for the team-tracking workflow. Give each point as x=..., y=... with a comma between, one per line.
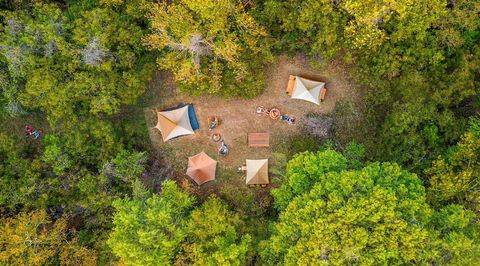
x=242, y=168
x=28, y=130
x=213, y=122
x=261, y=110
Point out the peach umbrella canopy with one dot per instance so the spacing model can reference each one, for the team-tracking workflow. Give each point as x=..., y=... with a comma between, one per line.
x=201, y=168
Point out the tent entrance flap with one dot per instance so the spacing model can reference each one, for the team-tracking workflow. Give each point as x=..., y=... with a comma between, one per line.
x=193, y=117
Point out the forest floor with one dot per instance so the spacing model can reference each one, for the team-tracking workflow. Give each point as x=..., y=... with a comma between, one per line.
x=238, y=117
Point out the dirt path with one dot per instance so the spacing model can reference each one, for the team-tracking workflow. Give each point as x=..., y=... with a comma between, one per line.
x=238, y=115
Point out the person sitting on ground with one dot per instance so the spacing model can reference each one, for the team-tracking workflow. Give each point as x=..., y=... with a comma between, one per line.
x=37, y=134
x=213, y=122
x=28, y=130
x=223, y=150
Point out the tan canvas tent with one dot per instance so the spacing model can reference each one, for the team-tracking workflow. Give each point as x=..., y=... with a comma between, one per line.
x=201, y=168
x=174, y=123
x=307, y=90
x=257, y=172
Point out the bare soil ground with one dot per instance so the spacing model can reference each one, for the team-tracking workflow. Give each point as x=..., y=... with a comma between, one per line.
x=238, y=115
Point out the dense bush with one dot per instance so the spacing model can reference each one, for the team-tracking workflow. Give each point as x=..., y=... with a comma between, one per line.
x=164, y=229
x=374, y=215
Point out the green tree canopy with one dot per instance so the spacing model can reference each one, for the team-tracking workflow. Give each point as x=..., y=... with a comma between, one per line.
x=455, y=177
x=74, y=63
x=215, y=237
x=375, y=215
x=166, y=229
x=304, y=171
x=149, y=231
x=210, y=46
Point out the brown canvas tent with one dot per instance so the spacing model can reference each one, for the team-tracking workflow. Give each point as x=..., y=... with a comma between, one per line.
x=201, y=168
x=257, y=172
x=174, y=123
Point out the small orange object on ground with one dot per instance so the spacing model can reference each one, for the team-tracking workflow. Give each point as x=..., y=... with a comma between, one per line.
x=322, y=94
x=291, y=84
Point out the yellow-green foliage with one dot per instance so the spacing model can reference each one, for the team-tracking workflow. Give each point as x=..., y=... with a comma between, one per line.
x=149, y=231
x=456, y=176
x=211, y=46
x=162, y=230
x=375, y=215
x=215, y=237
x=33, y=239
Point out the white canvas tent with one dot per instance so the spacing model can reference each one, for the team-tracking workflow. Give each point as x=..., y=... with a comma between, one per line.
x=174, y=123
x=257, y=172
x=307, y=90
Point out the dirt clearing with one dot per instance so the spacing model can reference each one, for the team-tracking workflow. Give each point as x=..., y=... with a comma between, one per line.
x=238, y=115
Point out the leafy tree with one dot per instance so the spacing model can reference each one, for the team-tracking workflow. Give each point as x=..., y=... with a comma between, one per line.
x=33, y=239
x=214, y=237
x=126, y=166
x=77, y=65
x=210, y=46
x=21, y=184
x=456, y=236
x=149, y=231
x=55, y=155
x=374, y=215
x=304, y=171
x=455, y=177
x=165, y=229
x=355, y=154
x=313, y=26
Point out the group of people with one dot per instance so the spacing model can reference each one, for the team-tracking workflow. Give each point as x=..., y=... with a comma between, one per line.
x=34, y=133
x=213, y=122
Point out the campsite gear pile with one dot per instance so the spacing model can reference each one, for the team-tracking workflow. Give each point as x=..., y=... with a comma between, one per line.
x=36, y=134
x=274, y=113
